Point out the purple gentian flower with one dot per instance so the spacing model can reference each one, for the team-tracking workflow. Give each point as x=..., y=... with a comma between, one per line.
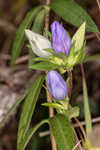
x=57, y=85
x=60, y=40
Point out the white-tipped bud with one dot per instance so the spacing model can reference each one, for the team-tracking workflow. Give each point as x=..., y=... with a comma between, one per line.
x=38, y=43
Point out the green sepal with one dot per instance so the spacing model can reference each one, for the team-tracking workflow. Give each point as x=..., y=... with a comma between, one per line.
x=54, y=105
x=72, y=112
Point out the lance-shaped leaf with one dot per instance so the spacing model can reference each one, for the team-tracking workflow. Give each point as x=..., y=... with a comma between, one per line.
x=19, y=38
x=71, y=12
x=78, y=38
x=28, y=109
x=39, y=22
x=30, y=133
x=43, y=66
x=62, y=132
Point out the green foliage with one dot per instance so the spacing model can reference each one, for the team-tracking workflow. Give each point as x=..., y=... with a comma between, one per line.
x=38, y=28
x=30, y=133
x=87, y=110
x=19, y=38
x=54, y=105
x=91, y=58
x=78, y=38
x=62, y=132
x=28, y=109
x=76, y=53
x=39, y=22
x=73, y=13
x=44, y=66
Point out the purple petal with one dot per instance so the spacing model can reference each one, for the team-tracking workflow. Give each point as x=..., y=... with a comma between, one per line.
x=60, y=40
x=56, y=85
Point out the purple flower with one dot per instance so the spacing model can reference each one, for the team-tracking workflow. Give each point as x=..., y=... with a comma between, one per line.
x=56, y=85
x=61, y=41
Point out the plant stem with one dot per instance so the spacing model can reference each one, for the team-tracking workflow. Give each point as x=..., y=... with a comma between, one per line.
x=49, y=99
x=70, y=84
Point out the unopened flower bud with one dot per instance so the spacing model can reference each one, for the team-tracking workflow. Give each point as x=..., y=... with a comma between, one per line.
x=57, y=85
x=38, y=43
x=60, y=40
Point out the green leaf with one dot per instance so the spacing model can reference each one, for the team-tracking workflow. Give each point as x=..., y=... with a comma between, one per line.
x=54, y=105
x=74, y=14
x=91, y=58
x=78, y=37
x=62, y=132
x=87, y=110
x=28, y=109
x=44, y=66
x=30, y=133
x=72, y=112
x=40, y=59
x=19, y=38
x=39, y=22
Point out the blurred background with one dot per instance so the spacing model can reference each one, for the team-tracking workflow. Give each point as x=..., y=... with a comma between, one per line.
x=13, y=81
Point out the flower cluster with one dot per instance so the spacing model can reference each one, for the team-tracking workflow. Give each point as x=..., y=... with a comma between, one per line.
x=65, y=55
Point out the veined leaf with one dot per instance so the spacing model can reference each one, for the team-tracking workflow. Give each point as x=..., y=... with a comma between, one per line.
x=87, y=112
x=29, y=134
x=37, y=27
x=44, y=66
x=28, y=109
x=54, y=105
x=91, y=58
x=62, y=132
x=78, y=38
x=39, y=22
x=19, y=38
x=74, y=14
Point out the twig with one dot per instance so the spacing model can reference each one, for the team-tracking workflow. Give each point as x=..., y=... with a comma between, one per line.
x=77, y=140
x=81, y=127
x=76, y=125
x=83, y=122
x=98, y=37
x=91, y=36
x=41, y=134
x=98, y=4
x=49, y=99
x=76, y=145
x=22, y=59
x=70, y=84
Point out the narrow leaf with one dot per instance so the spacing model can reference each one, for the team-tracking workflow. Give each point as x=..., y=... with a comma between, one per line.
x=73, y=13
x=39, y=22
x=19, y=38
x=62, y=132
x=86, y=106
x=78, y=38
x=54, y=105
x=30, y=133
x=28, y=109
x=44, y=66
x=87, y=110
x=91, y=58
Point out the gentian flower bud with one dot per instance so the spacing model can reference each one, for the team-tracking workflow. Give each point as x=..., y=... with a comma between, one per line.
x=38, y=43
x=61, y=41
x=57, y=85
